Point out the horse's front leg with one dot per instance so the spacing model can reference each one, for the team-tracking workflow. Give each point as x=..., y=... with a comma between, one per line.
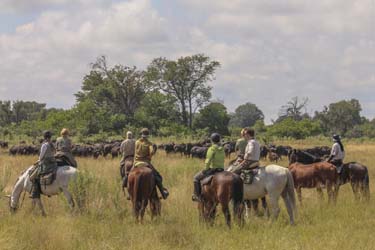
x=40, y=205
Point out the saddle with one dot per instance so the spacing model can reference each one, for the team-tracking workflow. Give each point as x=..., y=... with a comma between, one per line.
x=210, y=174
x=48, y=178
x=62, y=160
x=247, y=175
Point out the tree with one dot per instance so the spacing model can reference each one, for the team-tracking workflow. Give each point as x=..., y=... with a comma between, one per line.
x=340, y=117
x=214, y=117
x=24, y=110
x=185, y=80
x=119, y=90
x=294, y=129
x=295, y=109
x=157, y=110
x=246, y=115
x=5, y=113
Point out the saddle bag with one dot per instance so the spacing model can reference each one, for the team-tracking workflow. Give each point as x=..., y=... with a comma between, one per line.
x=246, y=176
x=48, y=179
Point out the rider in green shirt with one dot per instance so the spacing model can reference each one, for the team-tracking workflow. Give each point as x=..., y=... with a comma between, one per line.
x=214, y=163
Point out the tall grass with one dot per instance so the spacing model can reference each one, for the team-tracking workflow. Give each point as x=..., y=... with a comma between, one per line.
x=103, y=219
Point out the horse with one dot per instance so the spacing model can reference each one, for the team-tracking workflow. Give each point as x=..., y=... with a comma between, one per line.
x=275, y=181
x=353, y=172
x=64, y=175
x=315, y=175
x=142, y=189
x=357, y=175
x=221, y=188
x=252, y=203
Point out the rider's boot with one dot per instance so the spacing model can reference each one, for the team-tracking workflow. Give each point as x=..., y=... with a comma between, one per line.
x=35, y=192
x=164, y=192
x=197, y=192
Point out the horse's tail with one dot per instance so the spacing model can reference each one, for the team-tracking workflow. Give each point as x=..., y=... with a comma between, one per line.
x=290, y=190
x=237, y=194
x=366, y=183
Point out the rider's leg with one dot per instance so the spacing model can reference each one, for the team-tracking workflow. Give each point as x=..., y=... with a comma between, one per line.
x=197, y=185
x=35, y=193
x=159, y=183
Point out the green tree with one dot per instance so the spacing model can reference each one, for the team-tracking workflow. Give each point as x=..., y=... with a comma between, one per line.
x=246, y=115
x=214, y=117
x=185, y=80
x=119, y=90
x=340, y=117
x=5, y=113
x=157, y=110
x=288, y=127
x=27, y=111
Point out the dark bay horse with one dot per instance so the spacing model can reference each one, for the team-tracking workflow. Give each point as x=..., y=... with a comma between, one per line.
x=315, y=175
x=353, y=172
x=142, y=189
x=223, y=187
x=357, y=175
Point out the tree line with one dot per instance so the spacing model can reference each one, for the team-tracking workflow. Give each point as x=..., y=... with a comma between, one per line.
x=173, y=97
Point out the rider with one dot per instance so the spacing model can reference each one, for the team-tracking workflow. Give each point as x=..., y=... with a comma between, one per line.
x=252, y=154
x=45, y=164
x=337, y=153
x=127, y=149
x=241, y=144
x=64, y=148
x=144, y=150
x=214, y=163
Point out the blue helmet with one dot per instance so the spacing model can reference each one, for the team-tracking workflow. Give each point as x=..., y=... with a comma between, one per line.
x=215, y=137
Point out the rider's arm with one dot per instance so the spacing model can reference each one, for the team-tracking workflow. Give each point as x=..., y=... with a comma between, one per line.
x=249, y=150
x=42, y=152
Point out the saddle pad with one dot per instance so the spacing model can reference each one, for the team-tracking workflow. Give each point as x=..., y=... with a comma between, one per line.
x=49, y=178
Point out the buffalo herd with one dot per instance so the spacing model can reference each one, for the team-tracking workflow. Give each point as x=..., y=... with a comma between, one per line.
x=190, y=149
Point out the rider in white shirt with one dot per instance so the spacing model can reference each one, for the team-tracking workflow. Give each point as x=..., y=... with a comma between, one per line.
x=337, y=153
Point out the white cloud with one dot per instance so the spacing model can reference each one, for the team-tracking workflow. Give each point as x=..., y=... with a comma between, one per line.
x=270, y=51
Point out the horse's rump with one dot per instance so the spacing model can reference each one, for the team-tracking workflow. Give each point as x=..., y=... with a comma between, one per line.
x=141, y=183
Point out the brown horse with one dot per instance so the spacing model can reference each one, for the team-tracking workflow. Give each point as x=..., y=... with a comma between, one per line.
x=142, y=189
x=315, y=175
x=223, y=187
x=128, y=164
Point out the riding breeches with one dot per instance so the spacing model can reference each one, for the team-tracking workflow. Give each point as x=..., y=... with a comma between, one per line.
x=245, y=166
x=206, y=172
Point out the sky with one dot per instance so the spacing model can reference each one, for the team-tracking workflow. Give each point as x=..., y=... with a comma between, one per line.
x=270, y=51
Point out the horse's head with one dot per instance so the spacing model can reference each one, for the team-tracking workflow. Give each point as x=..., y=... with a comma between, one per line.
x=11, y=208
x=292, y=156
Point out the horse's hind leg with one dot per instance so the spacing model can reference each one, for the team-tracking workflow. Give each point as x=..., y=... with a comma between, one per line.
x=274, y=203
x=299, y=195
x=225, y=209
x=289, y=207
x=355, y=190
x=69, y=198
x=265, y=207
x=320, y=193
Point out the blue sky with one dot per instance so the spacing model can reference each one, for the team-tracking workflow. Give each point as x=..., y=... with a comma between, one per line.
x=270, y=51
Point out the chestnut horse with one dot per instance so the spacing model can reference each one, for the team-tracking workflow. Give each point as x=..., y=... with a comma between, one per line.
x=315, y=175
x=353, y=172
x=223, y=187
x=142, y=189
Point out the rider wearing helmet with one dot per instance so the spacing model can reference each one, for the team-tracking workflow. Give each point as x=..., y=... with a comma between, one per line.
x=144, y=150
x=214, y=163
x=64, y=149
x=337, y=153
x=45, y=164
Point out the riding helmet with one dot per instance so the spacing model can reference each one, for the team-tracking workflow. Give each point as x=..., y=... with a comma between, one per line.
x=47, y=134
x=215, y=137
x=145, y=132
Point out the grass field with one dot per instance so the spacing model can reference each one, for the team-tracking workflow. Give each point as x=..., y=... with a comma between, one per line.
x=106, y=220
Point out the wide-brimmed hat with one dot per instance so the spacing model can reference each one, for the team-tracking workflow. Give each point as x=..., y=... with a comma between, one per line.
x=145, y=132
